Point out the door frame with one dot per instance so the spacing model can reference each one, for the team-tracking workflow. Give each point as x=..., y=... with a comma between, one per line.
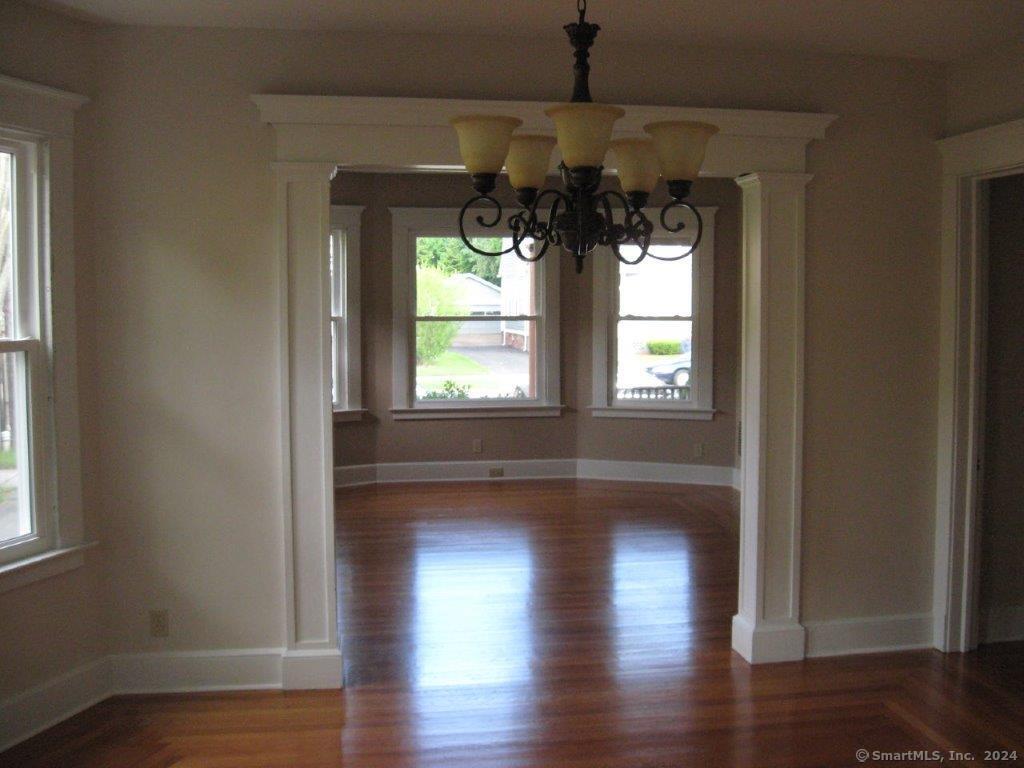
x=764, y=151
x=969, y=161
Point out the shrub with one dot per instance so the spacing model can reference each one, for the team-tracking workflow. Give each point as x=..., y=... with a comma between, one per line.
x=434, y=296
x=664, y=347
x=449, y=391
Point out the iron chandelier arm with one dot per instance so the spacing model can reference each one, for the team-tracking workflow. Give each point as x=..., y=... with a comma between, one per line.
x=636, y=229
x=498, y=211
x=679, y=227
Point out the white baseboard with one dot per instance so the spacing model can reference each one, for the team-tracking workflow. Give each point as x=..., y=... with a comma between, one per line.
x=876, y=634
x=42, y=706
x=590, y=469
x=1002, y=625
x=768, y=642
x=30, y=712
x=220, y=670
x=647, y=471
x=306, y=669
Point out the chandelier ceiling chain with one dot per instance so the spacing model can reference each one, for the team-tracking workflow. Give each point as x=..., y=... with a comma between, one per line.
x=578, y=217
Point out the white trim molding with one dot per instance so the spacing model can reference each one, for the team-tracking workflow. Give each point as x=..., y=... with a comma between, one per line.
x=767, y=625
x=374, y=133
x=30, y=712
x=230, y=669
x=532, y=469
x=968, y=161
x=877, y=634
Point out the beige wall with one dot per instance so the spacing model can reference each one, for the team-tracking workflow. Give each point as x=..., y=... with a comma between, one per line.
x=986, y=89
x=379, y=438
x=180, y=317
x=1002, y=528
x=52, y=626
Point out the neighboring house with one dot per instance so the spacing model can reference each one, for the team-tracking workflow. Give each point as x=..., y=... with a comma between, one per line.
x=516, y=299
x=482, y=298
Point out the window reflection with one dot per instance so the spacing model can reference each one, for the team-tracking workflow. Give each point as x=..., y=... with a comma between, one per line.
x=472, y=595
x=652, y=597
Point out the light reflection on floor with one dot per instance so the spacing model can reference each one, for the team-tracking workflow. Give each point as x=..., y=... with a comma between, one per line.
x=472, y=588
x=651, y=595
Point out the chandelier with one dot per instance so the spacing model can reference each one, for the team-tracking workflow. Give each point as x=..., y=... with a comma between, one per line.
x=578, y=217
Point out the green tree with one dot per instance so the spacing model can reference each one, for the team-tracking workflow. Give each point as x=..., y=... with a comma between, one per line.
x=435, y=295
x=451, y=256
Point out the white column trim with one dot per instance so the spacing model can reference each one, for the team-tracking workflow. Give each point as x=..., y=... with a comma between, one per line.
x=767, y=626
x=303, y=192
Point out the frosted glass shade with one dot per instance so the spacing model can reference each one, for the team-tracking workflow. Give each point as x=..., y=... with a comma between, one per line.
x=584, y=130
x=484, y=140
x=529, y=158
x=680, y=146
x=636, y=163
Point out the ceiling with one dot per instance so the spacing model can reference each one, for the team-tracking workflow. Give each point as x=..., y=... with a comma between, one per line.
x=940, y=30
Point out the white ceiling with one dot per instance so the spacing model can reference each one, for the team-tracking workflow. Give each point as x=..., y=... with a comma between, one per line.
x=941, y=30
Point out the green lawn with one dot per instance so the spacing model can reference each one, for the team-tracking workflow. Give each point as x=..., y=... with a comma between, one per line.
x=450, y=364
x=8, y=460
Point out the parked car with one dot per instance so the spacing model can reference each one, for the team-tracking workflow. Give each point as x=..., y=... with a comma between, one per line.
x=675, y=371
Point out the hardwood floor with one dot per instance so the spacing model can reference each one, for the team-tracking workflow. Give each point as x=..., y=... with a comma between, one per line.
x=556, y=624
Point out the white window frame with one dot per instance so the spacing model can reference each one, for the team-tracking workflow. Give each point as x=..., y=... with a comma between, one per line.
x=700, y=406
x=407, y=225
x=347, y=366
x=38, y=121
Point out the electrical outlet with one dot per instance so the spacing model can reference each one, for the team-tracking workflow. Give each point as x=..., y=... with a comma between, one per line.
x=478, y=446
x=698, y=450
x=496, y=472
x=159, y=624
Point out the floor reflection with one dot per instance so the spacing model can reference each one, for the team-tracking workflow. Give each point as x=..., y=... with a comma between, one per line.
x=652, y=597
x=472, y=587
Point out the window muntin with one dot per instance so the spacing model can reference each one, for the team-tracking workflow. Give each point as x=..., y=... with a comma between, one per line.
x=653, y=342
x=24, y=526
x=339, y=394
x=476, y=322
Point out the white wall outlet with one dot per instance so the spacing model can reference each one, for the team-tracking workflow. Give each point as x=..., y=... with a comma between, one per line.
x=496, y=472
x=159, y=624
x=478, y=445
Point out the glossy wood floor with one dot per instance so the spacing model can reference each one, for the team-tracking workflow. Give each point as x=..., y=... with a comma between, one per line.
x=556, y=624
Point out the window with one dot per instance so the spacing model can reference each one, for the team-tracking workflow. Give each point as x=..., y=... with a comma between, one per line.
x=346, y=351
x=474, y=335
x=653, y=326
x=25, y=527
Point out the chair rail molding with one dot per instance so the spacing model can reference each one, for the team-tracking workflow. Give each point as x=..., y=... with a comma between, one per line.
x=313, y=135
x=968, y=161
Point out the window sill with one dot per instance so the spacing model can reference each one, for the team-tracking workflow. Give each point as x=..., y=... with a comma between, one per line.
x=349, y=414
x=626, y=412
x=478, y=412
x=42, y=566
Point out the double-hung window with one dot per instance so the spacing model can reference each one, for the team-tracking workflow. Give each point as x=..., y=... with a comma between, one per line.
x=346, y=350
x=26, y=525
x=653, y=328
x=474, y=335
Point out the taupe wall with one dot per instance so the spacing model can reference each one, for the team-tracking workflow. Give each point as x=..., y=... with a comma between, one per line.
x=381, y=439
x=179, y=316
x=986, y=90
x=1002, y=527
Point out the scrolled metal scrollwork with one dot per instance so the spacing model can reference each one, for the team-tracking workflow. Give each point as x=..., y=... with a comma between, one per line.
x=679, y=227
